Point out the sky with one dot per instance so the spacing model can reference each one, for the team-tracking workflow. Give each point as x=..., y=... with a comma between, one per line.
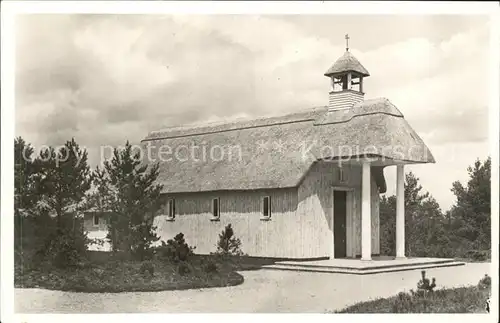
x=105, y=79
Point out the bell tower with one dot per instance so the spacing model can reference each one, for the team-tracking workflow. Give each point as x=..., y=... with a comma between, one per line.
x=346, y=77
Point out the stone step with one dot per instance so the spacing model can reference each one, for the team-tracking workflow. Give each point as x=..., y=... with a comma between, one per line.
x=362, y=271
x=368, y=266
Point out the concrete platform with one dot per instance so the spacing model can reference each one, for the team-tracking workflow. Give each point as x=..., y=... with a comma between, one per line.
x=363, y=267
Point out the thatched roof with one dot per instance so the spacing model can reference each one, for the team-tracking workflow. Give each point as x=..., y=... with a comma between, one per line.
x=277, y=152
x=347, y=63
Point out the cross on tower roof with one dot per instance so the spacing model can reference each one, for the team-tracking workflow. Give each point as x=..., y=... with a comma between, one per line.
x=347, y=42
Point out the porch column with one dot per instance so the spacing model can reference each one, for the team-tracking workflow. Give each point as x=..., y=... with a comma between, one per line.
x=366, y=226
x=400, y=212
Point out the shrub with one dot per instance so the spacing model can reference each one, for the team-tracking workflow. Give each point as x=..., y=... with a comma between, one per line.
x=210, y=267
x=162, y=251
x=147, y=267
x=228, y=244
x=454, y=300
x=478, y=255
x=485, y=282
x=32, y=233
x=76, y=282
x=424, y=284
x=64, y=248
x=183, y=269
x=403, y=303
x=175, y=250
x=142, y=237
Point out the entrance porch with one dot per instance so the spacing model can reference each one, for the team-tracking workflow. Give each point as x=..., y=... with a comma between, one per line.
x=353, y=232
x=347, y=227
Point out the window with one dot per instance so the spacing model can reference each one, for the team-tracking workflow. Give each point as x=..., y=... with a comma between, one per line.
x=266, y=207
x=96, y=220
x=171, y=210
x=215, y=209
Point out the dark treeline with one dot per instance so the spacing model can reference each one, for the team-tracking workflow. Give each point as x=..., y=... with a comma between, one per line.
x=462, y=232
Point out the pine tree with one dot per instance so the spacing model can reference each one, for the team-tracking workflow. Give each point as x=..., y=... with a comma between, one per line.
x=25, y=196
x=64, y=181
x=387, y=221
x=129, y=192
x=470, y=217
x=228, y=244
x=61, y=181
x=423, y=221
x=26, y=230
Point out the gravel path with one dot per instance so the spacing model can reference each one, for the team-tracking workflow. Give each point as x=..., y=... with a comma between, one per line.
x=263, y=291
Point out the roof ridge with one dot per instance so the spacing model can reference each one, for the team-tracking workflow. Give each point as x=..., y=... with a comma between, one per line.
x=236, y=120
x=236, y=124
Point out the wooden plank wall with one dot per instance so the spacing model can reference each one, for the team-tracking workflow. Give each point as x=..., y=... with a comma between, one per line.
x=300, y=226
x=274, y=238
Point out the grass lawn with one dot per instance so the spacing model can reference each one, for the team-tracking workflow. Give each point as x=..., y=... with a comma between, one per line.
x=454, y=300
x=104, y=273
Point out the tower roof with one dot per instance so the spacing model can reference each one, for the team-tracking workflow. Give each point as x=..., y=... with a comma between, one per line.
x=347, y=63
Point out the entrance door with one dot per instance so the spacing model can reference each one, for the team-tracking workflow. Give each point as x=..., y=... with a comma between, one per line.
x=339, y=223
